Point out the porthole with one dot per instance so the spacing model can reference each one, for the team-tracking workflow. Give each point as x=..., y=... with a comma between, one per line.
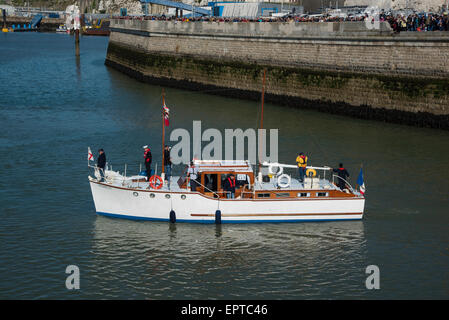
x=303, y=194
x=263, y=195
x=283, y=195
x=152, y=195
x=183, y=196
x=135, y=194
x=167, y=196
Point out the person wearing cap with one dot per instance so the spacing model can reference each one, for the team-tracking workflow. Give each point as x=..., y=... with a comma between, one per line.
x=148, y=159
x=192, y=173
x=167, y=163
x=101, y=163
x=301, y=160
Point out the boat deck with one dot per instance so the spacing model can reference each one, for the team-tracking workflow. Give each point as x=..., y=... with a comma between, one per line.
x=315, y=184
x=133, y=183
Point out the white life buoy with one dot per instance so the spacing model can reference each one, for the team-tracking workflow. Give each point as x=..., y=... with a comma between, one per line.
x=270, y=170
x=284, y=184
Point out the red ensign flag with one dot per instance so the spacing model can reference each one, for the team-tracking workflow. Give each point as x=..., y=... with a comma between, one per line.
x=166, y=112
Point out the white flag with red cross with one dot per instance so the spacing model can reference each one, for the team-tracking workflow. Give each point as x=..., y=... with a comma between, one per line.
x=90, y=156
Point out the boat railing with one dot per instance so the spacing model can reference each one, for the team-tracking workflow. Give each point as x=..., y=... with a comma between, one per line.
x=108, y=178
x=281, y=167
x=96, y=169
x=126, y=168
x=205, y=187
x=347, y=183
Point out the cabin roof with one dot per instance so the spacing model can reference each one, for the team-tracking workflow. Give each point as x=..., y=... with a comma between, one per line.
x=223, y=165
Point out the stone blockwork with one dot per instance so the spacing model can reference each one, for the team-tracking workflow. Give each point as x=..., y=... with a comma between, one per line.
x=341, y=68
x=418, y=5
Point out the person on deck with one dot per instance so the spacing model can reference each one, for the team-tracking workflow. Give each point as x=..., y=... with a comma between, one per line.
x=301, y=160
x=148, y=158
x=192, y=173
x=229, y=187
x=342, y=173
x=167, y=164
x=101, y=163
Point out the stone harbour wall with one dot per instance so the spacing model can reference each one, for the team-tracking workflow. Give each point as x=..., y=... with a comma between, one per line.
x=346, y=68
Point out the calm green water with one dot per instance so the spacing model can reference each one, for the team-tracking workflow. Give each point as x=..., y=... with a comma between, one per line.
x=52, y=107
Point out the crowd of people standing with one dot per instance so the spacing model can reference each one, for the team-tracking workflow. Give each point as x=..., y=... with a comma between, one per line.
x=399, y=22
x=418, y=22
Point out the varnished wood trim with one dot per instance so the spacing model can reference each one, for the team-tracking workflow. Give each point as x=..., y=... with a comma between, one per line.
x=222, y=199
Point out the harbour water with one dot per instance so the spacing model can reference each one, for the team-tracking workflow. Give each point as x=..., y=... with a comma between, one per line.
x=53, y=106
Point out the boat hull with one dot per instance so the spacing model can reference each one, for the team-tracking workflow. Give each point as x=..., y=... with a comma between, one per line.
x=139, y=204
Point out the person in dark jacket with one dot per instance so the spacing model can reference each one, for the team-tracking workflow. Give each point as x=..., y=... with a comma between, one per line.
x=342, y=173
x=148, y=159
x=229, y=186
x=167, y=164
x=101, y=163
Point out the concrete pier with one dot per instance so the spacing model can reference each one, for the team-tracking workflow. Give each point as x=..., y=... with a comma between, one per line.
x=351, y=68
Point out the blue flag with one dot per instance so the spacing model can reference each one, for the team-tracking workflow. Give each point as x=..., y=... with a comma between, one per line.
x=360, y=182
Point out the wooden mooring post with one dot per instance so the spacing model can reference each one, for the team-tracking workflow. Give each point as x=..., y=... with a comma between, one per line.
x=77, y=42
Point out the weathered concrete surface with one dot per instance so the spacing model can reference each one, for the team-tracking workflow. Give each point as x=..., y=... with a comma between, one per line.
x=347, y=68
x=262, y=30
x=418, y=5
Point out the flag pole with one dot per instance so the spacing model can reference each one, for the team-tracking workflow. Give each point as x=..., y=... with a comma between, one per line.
x=357, y=181
x=261, y=116
x=163, y=131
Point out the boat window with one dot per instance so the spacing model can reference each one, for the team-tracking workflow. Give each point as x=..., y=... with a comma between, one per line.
x=241, y=180
x=263, y=195
x=303, y=194
x=224, y=177
x=322, y=194
x=210, y=182
x=283, y=195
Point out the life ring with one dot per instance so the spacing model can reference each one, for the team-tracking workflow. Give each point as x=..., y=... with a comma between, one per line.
x=278, y=173
x=285, y=184
x=153, y=182
x=310, y=173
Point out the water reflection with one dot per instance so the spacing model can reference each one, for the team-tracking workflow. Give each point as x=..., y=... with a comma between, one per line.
x=78, y=67
x=163, y=260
